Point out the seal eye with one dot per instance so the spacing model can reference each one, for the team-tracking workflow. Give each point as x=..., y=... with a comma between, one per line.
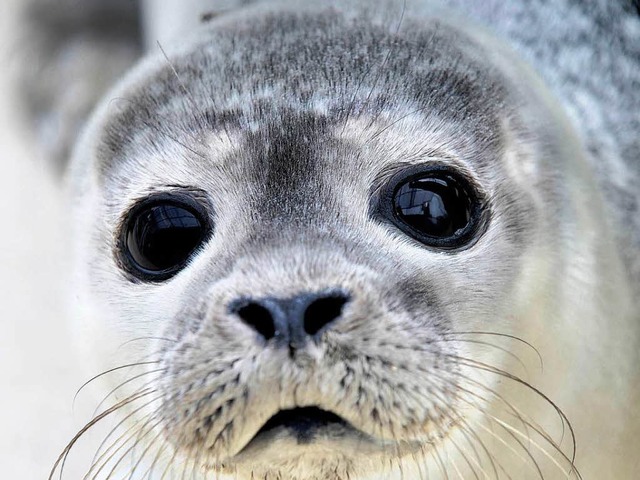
x=436, y=206
x=160, y=235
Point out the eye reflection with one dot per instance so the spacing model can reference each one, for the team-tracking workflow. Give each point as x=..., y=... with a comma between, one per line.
x=436, y=206
x=161, y=234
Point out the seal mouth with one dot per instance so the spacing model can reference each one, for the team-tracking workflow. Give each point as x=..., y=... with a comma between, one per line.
x=302, y=423
x=309, y=430
x=303, y=426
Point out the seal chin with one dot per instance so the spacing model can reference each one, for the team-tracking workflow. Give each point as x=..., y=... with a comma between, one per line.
x=313, y=431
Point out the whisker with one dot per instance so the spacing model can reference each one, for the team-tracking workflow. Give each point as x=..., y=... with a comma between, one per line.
x=489, y=344
x=544, y=452
x=466, y=459
x=366, y=74
x=418, y=462
x=106, y=372
x=394, y=436
x=138, y=339
x=466, y=430
x=456, y=469
x=144, y=453
x=518, y=441
x=162, y=132
x=109, y=454
x=440, y=463
x=386, y=58
x=503, y=335
x=61, y=460
x=509, y=406
x=183, y=87
x=172, y=137
x=169, y=464
x=106, y=397
x=512, y=449
x=460, y=420
x=132, y=447
x=388, y=126
x=149, y=470
x=497, y=371
x=526, y=424
x=99, y=458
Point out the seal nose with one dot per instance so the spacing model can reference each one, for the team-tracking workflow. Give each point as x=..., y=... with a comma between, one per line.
x=291, y=320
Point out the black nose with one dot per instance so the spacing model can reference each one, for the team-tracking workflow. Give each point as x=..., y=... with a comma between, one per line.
x=291, y=320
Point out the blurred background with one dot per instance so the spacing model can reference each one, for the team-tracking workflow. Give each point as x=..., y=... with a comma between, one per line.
x=39, y=373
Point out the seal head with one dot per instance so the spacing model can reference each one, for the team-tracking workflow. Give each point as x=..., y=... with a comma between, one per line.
x=316, y=219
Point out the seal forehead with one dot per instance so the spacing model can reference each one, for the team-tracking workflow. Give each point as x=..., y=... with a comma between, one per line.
x=243, y=77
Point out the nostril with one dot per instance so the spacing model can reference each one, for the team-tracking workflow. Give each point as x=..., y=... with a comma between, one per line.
x=259, y=318
x=293, y=319
x=323, y=311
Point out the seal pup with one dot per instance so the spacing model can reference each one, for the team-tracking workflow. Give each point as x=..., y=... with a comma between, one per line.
x=336, y=238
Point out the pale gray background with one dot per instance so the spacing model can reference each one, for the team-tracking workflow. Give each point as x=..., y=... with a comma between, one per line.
x=38, y=370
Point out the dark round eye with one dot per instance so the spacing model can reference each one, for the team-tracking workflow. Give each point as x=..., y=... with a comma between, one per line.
x=160, y=235
x=436, y=206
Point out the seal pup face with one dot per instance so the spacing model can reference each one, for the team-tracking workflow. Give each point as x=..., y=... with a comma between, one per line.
x=308, y=221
